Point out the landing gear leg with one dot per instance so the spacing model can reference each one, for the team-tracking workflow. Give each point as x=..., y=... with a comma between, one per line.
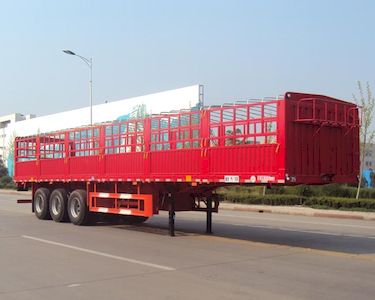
x=171, y=217
x=209, y=217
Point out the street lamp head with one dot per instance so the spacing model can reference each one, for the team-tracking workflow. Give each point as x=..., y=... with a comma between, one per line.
x=69, y=52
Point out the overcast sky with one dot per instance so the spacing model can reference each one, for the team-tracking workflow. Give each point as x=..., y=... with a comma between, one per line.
x=237, y=49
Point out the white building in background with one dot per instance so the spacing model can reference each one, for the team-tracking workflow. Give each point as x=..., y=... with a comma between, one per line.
x=6, y=122
x=369, y=161
x=19, y=125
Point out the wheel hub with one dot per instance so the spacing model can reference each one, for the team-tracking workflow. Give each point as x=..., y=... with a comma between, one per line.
x=75, y=208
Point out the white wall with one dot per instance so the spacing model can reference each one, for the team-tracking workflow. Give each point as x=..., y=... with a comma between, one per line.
x=183, y=98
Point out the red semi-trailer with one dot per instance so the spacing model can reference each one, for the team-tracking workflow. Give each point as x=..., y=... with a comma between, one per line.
x=175, y=161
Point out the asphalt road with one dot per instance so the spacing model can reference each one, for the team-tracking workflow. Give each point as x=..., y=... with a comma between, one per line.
x=250, y=256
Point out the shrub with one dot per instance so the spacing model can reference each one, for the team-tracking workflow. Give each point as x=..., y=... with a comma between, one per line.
x=278, y=190
x=245, y=197
x=367, y=193
x=305, y=190
x=266, y=200
x=336, y=196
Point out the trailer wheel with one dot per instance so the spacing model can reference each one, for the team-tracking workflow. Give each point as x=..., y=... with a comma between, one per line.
x=133, y=219
x=41, y=204
x=77, y=207
x=58, y=205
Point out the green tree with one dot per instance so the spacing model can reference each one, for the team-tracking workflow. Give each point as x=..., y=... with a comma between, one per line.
x=5, y=180
x=366, y=101
x=10, y=157
x=3, y=169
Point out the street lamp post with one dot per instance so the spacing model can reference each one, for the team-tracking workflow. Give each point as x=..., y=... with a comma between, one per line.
x=88, y=62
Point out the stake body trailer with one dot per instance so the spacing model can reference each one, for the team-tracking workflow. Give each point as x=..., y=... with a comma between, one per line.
x=175, y=161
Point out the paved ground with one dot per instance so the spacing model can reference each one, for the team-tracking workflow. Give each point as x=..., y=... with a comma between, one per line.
x=250, y=256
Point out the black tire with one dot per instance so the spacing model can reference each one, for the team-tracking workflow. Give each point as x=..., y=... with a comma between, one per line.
x=133, y=219
x=78, y=211
x=41, y=204
x=58, y=202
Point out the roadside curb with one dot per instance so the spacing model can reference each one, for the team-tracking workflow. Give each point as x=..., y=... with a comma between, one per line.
x=301, y=211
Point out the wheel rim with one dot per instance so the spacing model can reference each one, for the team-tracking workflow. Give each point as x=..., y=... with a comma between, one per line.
x=75, y=208
x=39, y=204
x=56, y=205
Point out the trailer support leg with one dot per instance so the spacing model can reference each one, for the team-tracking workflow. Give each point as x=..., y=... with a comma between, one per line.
x=171, y=217
x=209, y=217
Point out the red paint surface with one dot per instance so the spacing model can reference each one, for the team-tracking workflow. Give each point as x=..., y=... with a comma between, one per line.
x=302, y=138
